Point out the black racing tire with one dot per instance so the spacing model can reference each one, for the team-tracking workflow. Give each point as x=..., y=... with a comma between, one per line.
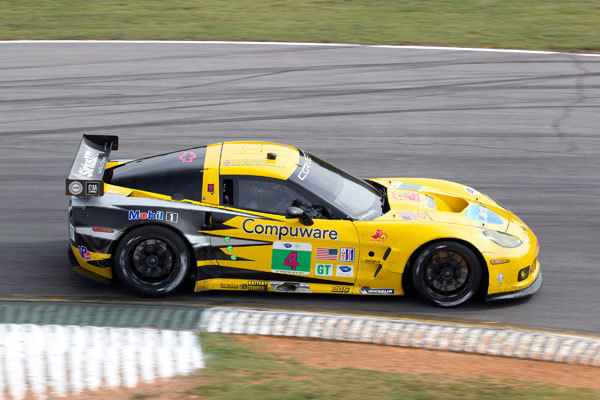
x=152, y=260
x=447, y=274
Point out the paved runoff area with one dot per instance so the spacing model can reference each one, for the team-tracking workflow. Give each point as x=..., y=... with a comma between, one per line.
x=519, y=126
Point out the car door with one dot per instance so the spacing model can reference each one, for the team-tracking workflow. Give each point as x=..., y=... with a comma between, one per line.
x=261, y=243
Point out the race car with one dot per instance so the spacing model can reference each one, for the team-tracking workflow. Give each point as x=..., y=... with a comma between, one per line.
x=260, y=216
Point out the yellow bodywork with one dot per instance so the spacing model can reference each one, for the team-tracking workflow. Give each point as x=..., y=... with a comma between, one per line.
x=372, y=270
x=103, y=272
x=250, y=158
x=382, y=248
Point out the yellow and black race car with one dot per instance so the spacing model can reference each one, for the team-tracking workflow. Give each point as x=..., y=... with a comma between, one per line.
x=258, y=216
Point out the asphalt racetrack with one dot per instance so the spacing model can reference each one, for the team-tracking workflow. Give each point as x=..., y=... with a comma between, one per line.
x=524, y=128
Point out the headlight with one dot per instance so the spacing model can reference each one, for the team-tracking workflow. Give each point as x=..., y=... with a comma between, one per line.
x=503, y=239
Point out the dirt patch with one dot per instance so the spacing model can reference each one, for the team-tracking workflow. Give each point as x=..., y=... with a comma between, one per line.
x=330, y=354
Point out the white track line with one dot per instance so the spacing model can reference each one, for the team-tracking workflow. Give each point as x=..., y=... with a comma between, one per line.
x=65, y=360
x=409, y=47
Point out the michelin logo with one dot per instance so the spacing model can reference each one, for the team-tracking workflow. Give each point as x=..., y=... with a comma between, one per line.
x=376, y=291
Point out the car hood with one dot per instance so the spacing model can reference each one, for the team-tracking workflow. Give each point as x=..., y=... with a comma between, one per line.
x=443, y=201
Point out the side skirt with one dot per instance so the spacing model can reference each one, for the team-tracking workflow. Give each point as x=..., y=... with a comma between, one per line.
x=284, y=287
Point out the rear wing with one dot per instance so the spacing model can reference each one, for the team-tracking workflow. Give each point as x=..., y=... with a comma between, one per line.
x=85, y=178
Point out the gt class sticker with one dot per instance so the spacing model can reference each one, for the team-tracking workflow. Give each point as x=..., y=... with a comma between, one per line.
x=291, y=258
x=346, y=271
x=323, y=269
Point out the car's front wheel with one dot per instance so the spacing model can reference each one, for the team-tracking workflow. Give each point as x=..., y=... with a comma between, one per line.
x=447, y=273
x=152, y=260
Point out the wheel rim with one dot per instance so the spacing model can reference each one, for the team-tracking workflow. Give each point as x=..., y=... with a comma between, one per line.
x=152, y=262
x=447, y=273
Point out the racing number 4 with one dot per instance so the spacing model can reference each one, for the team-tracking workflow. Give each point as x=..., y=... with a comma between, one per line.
x=291, y=260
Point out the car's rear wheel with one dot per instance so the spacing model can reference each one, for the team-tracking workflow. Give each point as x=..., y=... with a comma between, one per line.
x=152, y=260
x=447, y=274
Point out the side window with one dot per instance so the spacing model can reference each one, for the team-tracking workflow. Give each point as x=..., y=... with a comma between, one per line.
x=271, y=196
x=260, y=194
x=265, y=195
x=227, y=188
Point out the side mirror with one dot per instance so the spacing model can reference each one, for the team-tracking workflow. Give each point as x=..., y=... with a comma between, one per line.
x=297, y=212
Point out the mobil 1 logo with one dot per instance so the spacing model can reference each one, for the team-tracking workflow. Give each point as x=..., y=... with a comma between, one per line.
x=171, y=217
x=153, y=215
x=322, y=269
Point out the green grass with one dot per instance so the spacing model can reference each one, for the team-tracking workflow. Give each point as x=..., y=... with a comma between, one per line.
x=235, y=372
x=528, y=24
x=141, y=396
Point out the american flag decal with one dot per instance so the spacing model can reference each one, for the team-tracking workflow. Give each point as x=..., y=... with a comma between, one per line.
x=324, y=253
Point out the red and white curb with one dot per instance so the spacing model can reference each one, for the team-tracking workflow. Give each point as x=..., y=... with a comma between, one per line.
x=523, y=344
x=65, y=360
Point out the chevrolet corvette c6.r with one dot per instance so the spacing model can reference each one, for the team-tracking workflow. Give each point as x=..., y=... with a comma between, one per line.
x=258, y=216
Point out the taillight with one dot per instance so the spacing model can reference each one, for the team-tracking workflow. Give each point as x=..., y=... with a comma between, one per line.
x=102, y=229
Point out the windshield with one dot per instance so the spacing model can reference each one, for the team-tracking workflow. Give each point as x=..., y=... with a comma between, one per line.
x=356, y=198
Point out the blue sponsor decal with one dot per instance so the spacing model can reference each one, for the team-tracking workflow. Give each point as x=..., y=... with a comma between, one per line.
x=347, y=254
x=146, y=215
x=482, y=214
x=430, y=201
x=376, y=291
x=345, y=268
x=287, y=245
x=84, y=253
